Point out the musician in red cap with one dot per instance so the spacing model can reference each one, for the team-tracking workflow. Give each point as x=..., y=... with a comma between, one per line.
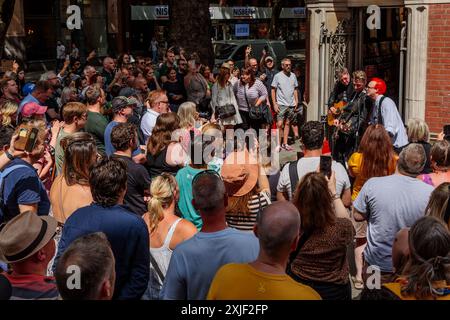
x=385, y=113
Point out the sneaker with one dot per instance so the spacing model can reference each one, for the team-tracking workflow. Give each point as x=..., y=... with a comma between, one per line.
x=278, y=148
x=287, y=147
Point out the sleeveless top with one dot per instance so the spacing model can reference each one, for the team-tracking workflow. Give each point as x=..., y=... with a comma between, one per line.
x=162, y=257
x=156, y=165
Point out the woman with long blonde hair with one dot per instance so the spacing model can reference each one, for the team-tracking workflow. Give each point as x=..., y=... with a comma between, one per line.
x=8, y=112
x=189, y=121
x=165, y=228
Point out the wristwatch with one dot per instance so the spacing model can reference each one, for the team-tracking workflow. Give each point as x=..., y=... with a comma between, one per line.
x=9, y=155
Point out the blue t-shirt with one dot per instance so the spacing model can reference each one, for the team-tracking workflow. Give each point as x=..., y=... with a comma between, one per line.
x=194, y=262
x=23, y=186
x=108, y=145
x=390, y=203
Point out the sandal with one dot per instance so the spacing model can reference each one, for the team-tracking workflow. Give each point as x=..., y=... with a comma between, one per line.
x=357, y=284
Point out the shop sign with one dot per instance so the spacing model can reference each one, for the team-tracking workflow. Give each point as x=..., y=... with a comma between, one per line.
x=243, y=12
x=242, y=30
x=299, y=12
x=162, y=12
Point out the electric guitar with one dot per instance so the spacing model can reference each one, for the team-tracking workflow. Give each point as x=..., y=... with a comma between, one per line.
x=339, y=106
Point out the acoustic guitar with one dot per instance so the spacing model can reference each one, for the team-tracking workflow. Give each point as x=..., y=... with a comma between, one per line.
x=333, y=116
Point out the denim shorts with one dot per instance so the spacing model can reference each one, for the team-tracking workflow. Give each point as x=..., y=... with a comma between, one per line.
x=284, y=112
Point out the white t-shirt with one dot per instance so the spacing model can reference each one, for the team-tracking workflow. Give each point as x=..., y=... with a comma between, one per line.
x=285, y=86
x=310, y=164
x=60, y=52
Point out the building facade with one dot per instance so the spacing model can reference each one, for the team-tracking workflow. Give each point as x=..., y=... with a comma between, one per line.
x=409, y=49
x=37, y=26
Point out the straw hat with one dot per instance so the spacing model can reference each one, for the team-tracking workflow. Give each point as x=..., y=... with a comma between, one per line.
x=25, y=235
x=240, y=173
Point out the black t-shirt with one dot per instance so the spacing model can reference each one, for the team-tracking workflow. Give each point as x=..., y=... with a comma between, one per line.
x=138, y=181
x=174, y=88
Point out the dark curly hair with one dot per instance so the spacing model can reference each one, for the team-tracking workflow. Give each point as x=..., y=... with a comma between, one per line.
x=122, y=134
x=312, y=135
x=108, y=179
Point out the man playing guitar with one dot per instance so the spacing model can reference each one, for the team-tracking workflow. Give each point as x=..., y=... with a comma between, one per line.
x=339, y=97
x=352, y=122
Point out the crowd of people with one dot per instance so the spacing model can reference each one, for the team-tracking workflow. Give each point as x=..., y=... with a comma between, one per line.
x=126, y=175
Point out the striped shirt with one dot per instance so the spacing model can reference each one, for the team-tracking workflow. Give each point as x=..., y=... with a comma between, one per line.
x=245, y=222
x=32, y=287
x=256, y=91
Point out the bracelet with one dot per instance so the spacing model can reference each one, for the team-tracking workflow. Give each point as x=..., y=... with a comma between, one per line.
x=9, y=155
x=335, y=197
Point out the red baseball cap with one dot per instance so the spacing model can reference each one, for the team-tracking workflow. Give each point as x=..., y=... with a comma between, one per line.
x=32, y=108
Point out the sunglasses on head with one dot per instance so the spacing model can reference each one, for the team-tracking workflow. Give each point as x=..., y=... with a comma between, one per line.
x=205, y=172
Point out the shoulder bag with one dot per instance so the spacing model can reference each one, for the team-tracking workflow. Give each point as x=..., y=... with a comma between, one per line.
x=227, y=110
x=254, y=112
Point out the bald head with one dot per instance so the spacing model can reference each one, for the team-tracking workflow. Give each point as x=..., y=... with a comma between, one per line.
x=278, y=226
x=254, y=64
x=108, y=64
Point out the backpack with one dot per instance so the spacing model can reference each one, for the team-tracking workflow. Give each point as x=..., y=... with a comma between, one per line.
x=3, y=175
x=293, y=173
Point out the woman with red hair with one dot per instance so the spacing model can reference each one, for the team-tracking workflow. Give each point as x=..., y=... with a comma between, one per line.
x=375, y=158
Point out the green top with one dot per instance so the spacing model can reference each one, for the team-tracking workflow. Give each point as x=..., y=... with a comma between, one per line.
x=184, y=179
x=59, y=151
x=96, y=125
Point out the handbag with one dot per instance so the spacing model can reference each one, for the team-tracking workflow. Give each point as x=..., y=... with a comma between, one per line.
x=261, y=112
x=254, y=112
x=227, y=110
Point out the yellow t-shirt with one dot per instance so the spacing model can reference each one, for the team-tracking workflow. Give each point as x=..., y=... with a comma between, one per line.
x=396, y=288
x=243, y=282
x=354, y=165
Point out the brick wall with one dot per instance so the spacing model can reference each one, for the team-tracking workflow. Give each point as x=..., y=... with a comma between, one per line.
x=437, y=112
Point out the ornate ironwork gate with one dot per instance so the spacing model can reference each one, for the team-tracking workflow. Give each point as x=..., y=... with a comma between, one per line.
x=336, y=52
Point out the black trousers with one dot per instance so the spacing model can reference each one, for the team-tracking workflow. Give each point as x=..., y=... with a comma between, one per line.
x=248, y=123
x=343, y=148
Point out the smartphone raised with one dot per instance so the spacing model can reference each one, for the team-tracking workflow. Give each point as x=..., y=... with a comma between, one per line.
x=27, y=139
x=325, y=165
x=21, y=141
x=32, y=138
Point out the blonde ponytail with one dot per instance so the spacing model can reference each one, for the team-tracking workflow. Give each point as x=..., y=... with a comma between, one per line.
x=162, y=195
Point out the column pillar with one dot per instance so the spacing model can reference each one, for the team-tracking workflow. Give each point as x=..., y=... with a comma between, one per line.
x=416, y=62
x=317, y=17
